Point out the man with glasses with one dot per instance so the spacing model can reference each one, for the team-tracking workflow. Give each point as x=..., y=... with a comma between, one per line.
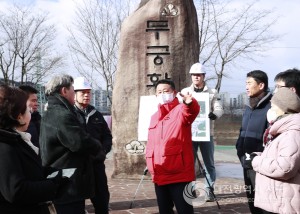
x=290, y=79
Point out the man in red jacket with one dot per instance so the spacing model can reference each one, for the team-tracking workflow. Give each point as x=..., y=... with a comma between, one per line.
x=169, y=151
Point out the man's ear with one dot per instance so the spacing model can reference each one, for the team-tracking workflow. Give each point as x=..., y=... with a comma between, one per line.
x=261, y=85
x=63, y=91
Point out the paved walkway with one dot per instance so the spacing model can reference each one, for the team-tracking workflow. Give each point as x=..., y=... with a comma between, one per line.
x=229, y=189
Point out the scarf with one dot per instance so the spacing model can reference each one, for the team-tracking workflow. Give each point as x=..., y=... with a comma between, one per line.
x=27, y=138
x=253, y=101
x=267, y=137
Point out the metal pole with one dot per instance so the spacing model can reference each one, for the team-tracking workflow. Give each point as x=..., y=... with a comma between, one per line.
x=145, y=172
x=202, y=170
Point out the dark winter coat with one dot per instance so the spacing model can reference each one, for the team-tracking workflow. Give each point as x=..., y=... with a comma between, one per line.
x=65, y=144
x=95, y=125
x=23, y=186
x=254, y=124
x=34, y=128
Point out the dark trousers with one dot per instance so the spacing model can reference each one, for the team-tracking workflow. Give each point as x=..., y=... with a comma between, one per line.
x=77, y=207
x=249, y=178
x=101, y=199
x=170, y=195
x=207, y=149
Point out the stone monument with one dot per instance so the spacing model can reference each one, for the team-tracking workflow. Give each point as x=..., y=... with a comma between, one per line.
x=160, y=40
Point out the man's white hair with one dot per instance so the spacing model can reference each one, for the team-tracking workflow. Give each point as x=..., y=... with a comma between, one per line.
x=54, y=85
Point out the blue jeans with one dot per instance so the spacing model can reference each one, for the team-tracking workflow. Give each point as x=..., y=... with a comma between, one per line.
x=207, y=149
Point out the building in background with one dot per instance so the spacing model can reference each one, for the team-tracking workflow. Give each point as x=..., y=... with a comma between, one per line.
x=100, y=100
x=225, y=100
x=242, y=100
x=233, y=105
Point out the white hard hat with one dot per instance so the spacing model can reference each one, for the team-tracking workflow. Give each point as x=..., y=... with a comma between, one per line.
x=197, y=68
x=80, y=83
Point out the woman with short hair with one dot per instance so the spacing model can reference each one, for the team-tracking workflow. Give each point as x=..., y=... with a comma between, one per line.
x=24, y=187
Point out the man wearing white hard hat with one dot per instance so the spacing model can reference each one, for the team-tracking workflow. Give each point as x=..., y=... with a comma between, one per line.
x=96, y=126
x=197, y=72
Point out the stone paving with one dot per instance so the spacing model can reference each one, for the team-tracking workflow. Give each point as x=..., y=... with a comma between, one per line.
x=229, y=190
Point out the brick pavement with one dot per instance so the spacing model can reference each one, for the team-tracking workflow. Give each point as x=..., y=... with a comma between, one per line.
x=229, y=191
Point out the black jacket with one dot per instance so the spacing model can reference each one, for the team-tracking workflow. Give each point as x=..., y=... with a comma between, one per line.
x=23, y=184
x=34, y=128
x=65, y=144
x=254, y=124
x=95, y=124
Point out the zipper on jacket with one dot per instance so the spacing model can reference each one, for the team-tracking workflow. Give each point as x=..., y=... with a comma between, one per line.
x=162, y=129
x=247, y=131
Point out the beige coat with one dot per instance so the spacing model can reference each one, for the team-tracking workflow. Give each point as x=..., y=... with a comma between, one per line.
x=278, y=169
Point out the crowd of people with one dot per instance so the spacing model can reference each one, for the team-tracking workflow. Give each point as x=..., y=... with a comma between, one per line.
x=267, y=145
x=51, y=164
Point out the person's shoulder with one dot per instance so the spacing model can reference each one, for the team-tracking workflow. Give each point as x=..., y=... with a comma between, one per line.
x=92, y=109
x=210, y=90
x=187, y=89
x=269, y=96
x=59, y=113
x=9, y=137
x=265, y=101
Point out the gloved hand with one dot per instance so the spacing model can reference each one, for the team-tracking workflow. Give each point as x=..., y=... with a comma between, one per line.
x=212, y=116
x=60, y=181
x=100, y=157
x=248, y=160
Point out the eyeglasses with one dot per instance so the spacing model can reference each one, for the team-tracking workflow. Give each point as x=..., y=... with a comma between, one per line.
x=281, y=86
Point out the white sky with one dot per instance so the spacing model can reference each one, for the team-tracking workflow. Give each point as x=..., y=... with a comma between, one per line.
x=284, y=54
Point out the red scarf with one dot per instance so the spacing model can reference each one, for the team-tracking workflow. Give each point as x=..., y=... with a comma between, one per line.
x=267, y=136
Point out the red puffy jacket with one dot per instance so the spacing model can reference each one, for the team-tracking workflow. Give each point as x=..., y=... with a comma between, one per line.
x=169, y=151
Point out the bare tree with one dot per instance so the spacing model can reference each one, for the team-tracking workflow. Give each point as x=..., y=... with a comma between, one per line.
x=27, y=41
x=8, y=54
x=228, y=35
x=94, y=40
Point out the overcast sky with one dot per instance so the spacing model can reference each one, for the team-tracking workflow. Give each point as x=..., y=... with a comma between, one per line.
x=284, y=54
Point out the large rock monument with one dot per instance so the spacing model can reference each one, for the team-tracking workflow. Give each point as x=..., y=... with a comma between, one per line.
x=159, y=40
